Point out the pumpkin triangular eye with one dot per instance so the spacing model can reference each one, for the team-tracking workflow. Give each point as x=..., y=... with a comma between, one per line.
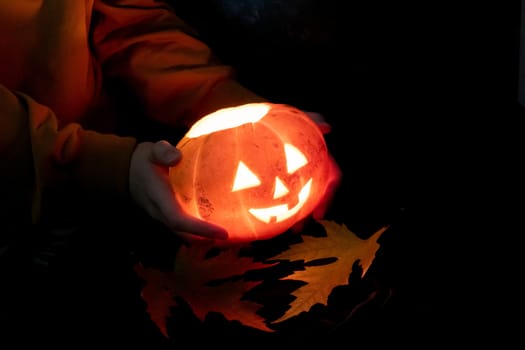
x=280, y=189
x=244, y=178
x=294, y=158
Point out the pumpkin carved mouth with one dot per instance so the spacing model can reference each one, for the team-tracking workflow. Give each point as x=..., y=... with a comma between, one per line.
x=281, y=212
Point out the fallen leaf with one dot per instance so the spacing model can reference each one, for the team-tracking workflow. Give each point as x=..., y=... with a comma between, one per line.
x=339, y=243
x=191, y=280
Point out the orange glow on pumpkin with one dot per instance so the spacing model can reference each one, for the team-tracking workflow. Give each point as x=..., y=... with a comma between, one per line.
x=254, y=169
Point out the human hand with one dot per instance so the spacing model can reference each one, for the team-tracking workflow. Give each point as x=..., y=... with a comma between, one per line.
x=333, y=179
x=151, y=189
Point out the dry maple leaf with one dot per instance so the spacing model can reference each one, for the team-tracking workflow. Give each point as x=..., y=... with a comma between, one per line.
x=190, y=280
x=339, y=243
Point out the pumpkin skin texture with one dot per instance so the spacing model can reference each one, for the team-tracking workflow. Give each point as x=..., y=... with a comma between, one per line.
x=255, y=169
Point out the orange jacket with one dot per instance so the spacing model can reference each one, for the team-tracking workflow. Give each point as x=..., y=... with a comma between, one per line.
x=55, y=58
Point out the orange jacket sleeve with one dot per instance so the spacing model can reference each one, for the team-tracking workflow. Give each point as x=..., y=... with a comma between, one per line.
x=174, y=75
x=35, y=155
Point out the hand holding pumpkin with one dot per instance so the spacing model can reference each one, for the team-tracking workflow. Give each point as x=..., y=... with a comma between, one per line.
x=170, y=191
x=151, y=189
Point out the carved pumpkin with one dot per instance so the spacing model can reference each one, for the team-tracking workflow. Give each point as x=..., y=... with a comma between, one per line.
x=254, y=169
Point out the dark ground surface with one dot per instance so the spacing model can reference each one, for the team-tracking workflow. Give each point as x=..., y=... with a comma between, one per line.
x=424, y=117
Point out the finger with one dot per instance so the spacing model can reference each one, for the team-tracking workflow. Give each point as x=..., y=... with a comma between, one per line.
x=200, y=228
x=178, y=220
x=182, y=223
x=324, y=127
x=175, y=217
x=163, y=153
x=320, y=121
x=315, y=116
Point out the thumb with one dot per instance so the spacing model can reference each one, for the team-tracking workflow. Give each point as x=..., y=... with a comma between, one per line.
x=164, y=153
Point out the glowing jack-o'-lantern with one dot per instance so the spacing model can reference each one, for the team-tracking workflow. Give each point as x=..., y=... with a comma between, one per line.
x=255, y=169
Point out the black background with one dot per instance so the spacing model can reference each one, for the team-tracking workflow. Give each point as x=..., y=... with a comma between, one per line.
x=422, y=98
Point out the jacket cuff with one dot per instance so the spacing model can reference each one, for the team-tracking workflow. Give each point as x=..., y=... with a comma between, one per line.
x=103, y=163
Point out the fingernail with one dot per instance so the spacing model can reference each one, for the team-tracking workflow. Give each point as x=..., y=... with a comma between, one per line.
x=171, y=155
x=325, y=127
